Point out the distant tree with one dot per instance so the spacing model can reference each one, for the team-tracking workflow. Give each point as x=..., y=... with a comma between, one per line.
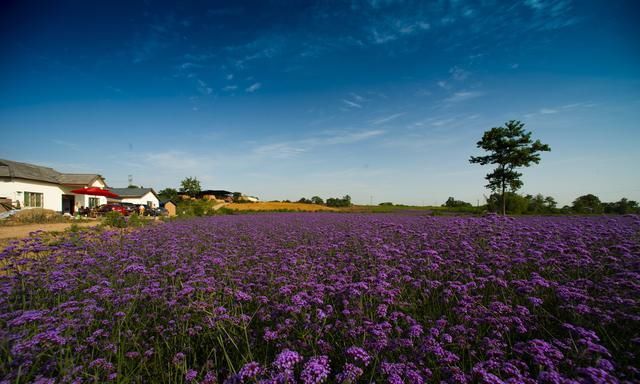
x=132, y=186
x=317, y=200
x=190, y=186
x=345, y=201
x=453, y=203
x=510, y=147
x=386, y=204
x=540, y=204
x=304, y=200
x=168, y=194
x=513, y=203
x=587, y=204
x=622, y=207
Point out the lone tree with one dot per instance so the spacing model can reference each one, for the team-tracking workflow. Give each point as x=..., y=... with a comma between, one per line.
x=509, y=147
x=190, y=186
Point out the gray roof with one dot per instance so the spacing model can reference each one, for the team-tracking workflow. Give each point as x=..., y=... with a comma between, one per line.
x=14, y=169
x=132, y=192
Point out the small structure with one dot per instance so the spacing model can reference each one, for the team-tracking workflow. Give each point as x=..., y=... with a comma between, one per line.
x=137, y=196
x=170, y=206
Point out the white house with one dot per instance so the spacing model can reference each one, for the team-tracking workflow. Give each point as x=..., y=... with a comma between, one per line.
x=137, y=196
x=35, y=186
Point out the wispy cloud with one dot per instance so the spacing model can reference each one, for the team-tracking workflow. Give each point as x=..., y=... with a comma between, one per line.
x=548, y=111
x=203, y=88
x=463, y=96
x=253, y=87
x=229, y=88
x=386, y=119
x=459, y=74
x=287, y=149
x=351, y=104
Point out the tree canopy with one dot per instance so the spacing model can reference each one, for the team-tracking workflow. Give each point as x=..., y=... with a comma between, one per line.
x=190, y=186
x=510, y=147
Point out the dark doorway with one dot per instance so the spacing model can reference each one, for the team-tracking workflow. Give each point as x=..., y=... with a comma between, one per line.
x=68, y=204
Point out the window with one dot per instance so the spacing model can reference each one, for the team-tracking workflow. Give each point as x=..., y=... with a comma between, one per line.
x=33, y=200
x=150, y=204
x=93, y=202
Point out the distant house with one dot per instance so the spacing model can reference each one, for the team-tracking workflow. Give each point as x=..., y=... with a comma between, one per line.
x=35, y=186
x=214, y=194
x=137, y=196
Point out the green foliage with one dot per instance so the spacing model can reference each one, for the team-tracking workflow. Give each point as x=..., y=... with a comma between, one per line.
x=133, y=186
x=386, y=204
x=190, y=186
x=509, y=147
x=114, y=219
x=624, y=206
x=135, y=221
x=168, y=194
x=317, y=200
x=587, y=204
x=514, y=203
x=345, y=201
x=540, y=204
x=453, y=203
x=304, y=200
x=191, y=208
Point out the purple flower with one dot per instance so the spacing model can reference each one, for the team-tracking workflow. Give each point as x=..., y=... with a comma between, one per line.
x=286, y=360
x=316, y=370
x=250, y=370
x=359, y=354
x=190, y=375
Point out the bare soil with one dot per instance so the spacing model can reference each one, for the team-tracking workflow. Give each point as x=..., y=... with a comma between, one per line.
x=19, y=231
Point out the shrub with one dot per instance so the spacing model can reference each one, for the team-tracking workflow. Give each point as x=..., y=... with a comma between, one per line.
x=114, y=219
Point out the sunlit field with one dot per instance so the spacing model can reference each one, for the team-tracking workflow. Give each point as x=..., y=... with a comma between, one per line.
x=278, y=206
x=314, y=298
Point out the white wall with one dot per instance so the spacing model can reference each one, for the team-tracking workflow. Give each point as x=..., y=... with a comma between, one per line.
x=143, y=200
x=52, y=193
x=83, y=200
x=14, y=190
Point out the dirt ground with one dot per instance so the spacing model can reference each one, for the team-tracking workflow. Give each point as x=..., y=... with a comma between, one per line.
x=19, y=231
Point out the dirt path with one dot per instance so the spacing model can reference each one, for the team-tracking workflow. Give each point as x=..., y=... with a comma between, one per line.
x=20, y=231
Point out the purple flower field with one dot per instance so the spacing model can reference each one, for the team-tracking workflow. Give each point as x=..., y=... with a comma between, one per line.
x=327, y=298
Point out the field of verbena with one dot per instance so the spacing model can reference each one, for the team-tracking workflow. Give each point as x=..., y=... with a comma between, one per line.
x=315, y=298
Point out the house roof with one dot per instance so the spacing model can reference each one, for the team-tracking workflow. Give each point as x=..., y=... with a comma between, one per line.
x=77, y=178
x=215, y=192
x=14, y=169
x=133, y=192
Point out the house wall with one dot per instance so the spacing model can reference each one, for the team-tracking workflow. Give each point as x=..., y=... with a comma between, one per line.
x=83, y=200
x=143, y=200
x=14, y=190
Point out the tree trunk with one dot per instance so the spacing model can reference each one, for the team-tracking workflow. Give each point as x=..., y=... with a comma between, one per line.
x=504, y=201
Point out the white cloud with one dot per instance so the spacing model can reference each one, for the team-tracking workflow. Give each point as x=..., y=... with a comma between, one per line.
x=288, y=149
x=230, y=88
x=203, y=88
x=463, y=96
x=459, y=74
x=548, y=111
x=352, y=104
x=386, y=119
x=253, y=87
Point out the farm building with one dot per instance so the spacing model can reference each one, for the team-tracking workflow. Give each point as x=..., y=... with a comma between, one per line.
x=212, y=194
x=137, y=196
x=169, y=205
x=35, y=186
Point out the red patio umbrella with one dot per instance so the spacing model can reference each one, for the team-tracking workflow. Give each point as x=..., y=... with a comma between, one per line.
x=95, y=191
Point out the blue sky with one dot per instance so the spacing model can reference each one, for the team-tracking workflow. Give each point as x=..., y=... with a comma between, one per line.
x=382, y=100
